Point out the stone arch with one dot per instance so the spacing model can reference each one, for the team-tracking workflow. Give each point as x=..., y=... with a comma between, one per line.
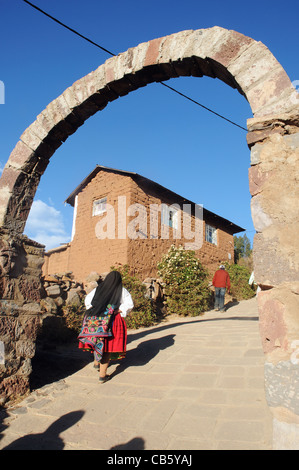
x=273, y=137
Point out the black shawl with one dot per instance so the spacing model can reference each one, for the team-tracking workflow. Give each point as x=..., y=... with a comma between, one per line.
x=108, y=292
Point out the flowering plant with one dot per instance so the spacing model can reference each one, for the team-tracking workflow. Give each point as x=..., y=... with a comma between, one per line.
x=185, y=282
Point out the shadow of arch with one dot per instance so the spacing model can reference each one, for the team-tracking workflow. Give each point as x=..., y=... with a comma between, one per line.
x=50, y=439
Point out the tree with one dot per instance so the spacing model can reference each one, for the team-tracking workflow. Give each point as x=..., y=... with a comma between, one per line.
x=239, y=277
x=242, y=247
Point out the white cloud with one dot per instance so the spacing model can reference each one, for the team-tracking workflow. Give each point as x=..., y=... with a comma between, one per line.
x=45, y=225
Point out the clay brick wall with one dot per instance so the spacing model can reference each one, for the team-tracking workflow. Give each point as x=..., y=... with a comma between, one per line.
x=86, y=252
x=212, y=255
x=57, y=260
x=145, y=253
x=134, y=245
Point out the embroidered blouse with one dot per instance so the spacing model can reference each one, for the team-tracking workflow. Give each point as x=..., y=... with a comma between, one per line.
x=126, y=303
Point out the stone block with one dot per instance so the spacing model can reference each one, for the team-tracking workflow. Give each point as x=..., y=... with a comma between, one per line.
x=30, y=289
x=54, y=137
x=12, y=179
x=257, y=178
x=279, y=327
x=80, y=91
x=62, y=106
x=153, y=52
x=30, y=139
x=282, y=384
x=277, y=180
x=275, y=255
x=38, y=130
x=285, y=102
x=269, y=93
x=13, y=387
x=73, y=298
x=53, y=291
x=231, y=51
x=257, y=54
x=71, y=98
x=25, y=349
x=93, y=277
x=260, y=218
x=35, y=262
x=22, y=157
x=49, y=305
x=255, y=154
x=261, y=135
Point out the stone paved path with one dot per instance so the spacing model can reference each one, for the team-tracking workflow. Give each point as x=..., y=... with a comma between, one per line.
x=186, y=384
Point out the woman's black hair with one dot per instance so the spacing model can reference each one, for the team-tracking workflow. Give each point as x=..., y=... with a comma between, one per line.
x=108, y=292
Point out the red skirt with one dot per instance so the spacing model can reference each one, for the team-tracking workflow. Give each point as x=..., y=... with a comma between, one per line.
x=117, y=343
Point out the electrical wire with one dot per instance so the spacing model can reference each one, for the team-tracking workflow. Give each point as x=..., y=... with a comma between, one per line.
x=112, y=54
x=208, y=109
x=70, y=29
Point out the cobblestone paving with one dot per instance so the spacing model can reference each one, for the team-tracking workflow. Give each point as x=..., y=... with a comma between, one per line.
x=186, y=384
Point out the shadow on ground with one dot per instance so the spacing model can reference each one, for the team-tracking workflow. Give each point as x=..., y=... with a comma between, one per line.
x=137, y=443
x=51, y=364
x=144, y=353
x=50, y=439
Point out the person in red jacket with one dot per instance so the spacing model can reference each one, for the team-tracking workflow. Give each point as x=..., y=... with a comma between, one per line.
x=221, y=281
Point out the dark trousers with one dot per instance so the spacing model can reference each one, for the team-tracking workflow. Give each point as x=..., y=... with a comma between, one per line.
x=219, y=297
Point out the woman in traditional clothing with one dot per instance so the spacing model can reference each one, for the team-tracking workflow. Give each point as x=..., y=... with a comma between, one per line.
x=104, y=330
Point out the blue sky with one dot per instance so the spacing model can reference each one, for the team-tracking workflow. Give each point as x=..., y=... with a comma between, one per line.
x=152, y=131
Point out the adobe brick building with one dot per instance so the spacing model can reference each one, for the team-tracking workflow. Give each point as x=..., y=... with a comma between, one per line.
x=122, y=217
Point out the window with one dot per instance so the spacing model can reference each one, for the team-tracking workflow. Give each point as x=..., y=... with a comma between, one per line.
x=99, y=206
x=211, y=234
x=169, y=216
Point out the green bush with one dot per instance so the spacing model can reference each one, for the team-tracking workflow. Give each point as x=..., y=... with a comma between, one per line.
x=239, y=277
x=186, y=282
x=143, y=313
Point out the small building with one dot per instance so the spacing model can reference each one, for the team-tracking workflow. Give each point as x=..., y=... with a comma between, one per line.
x=121, y=217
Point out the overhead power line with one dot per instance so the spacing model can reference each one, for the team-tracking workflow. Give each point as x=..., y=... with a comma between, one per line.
x=196, y=102
x=112, y=54
x=70, y=29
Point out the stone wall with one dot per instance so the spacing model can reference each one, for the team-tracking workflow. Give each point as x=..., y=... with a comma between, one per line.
x=273, y=181
x=21, y=260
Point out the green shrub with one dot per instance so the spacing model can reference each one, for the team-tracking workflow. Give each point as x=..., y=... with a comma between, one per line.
x=186, y=282
x=239, y=277
x=143, y=313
